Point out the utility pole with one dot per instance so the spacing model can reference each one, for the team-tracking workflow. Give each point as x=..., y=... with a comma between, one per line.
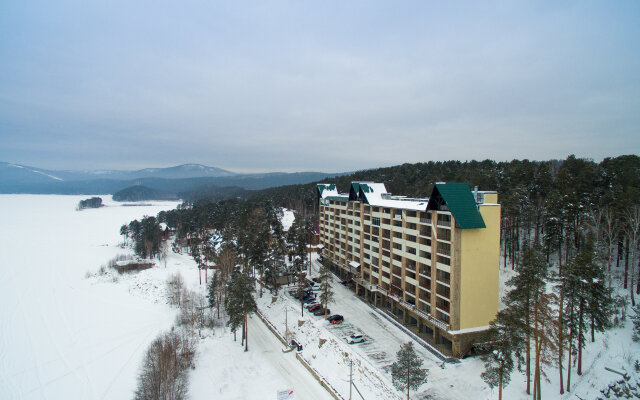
x=350, y=377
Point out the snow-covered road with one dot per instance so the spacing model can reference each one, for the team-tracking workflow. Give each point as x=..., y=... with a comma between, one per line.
x=225, y=371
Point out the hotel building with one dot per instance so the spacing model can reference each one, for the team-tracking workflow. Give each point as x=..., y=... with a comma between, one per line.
x=432, y=263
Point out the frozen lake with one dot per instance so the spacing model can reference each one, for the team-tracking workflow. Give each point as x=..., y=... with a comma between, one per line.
x=62, y=336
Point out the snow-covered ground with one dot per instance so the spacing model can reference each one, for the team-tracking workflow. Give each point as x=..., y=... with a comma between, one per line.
x=60, y=335
x=68, y=334
x=288, y=217
x=613, y=349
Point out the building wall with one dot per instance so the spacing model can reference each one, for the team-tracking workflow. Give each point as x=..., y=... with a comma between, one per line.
x=416, y=281
x=479, y=275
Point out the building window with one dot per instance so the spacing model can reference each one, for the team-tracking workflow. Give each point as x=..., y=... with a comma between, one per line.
x=444, y=248
x=442, y=304
x=444, y=220
x=375, y=221
x=443, y=276
x=411, y=250
x=443, y=317
x=444, y=260
x=443, y=290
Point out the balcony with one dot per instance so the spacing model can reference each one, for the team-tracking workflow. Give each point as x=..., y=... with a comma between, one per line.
x=444, y=220
x=443, y=291
x=396, y=291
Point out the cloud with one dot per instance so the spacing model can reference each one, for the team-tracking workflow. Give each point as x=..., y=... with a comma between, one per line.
x=315, y=86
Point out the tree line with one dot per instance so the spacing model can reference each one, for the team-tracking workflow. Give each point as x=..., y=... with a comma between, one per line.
x=570, y=228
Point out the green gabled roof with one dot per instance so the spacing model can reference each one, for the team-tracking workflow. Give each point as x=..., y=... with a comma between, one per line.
x=337, y=198
x=461, y=203
x=354, y=190
x=327, y=186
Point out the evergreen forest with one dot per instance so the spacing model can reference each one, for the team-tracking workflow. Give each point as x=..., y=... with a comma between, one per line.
x=570, y=229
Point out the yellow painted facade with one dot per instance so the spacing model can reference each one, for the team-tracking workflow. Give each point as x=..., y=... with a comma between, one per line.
x=479, y=270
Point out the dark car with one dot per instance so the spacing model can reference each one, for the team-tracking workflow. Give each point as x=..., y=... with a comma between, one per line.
x=335, y=319
x=314, y=307
x=320, y=311
x=296, y=344
x=316, y=279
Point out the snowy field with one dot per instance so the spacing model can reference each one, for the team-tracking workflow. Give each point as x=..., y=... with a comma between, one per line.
x=61, y=337
x=67, y=332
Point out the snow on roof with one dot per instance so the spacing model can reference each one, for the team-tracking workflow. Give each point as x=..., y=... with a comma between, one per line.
x=401, y=203
x=327, y=189
x=287, y=219
x=376, y=195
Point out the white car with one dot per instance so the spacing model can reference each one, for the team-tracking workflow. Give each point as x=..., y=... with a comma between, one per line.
x=355, y=338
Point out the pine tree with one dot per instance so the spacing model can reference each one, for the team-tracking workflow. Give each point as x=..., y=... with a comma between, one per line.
x=636, y=323
x=240, y=303
x=215, y=291
x=587, y=297
x=233, y=303
x=300, y=276
x=406, y=372
x=528, y=286
x=503, y=341
x=544, y=333
x=326, y=293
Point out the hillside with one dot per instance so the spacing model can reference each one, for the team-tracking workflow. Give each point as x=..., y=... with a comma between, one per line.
x=191, y=180
x=140, y=193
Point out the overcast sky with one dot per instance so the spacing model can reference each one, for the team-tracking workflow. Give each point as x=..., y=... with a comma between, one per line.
x=315, y=85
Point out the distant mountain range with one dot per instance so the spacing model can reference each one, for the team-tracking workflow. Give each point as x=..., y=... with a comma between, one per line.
x=172, y=182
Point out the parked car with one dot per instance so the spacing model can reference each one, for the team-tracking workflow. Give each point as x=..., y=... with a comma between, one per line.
x=298, y=345
x=355, y=338
x=314, y=307
x=320, y=311
x=309, y=299
x=307, y=294
x=316, y=279
x=336, y=319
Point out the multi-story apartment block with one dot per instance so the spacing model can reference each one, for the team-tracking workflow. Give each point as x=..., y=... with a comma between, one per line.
x=432, y=263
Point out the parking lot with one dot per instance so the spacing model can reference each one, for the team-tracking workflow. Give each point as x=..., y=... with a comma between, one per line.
x=382, y=339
